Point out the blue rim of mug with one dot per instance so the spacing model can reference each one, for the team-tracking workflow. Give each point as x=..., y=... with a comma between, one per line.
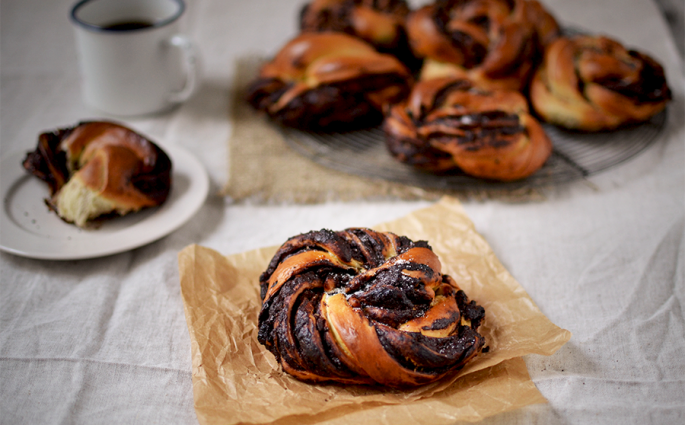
x=77, y=6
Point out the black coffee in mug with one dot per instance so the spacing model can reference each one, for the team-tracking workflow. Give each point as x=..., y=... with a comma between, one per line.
x=128, y=25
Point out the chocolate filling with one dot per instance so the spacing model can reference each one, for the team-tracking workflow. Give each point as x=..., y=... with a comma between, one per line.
x=426, y=354
x=651, y=86
x=339, y=106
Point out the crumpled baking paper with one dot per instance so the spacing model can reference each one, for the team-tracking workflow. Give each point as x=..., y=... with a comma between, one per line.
x=236, y=380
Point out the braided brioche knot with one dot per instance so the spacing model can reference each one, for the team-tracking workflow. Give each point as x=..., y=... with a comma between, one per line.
x=448, y=123
x=594, y=83
x=319, y=80
x=493, y=42
x=362, y=307
x=380, y=23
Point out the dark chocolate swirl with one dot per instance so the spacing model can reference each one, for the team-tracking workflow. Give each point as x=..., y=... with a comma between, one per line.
x=362, y=307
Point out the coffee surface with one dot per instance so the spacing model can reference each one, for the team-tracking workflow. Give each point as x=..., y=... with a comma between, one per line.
x=128, y=25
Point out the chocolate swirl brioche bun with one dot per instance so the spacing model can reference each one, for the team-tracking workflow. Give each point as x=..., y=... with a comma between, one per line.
x=328, y=81
x=495, y=43
x=594, y=83
x=364, y=307
x=449, y=123
x=99, y=168
x=378, y=22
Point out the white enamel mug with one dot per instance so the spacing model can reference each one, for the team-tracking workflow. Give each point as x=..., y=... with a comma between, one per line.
x=133, y=58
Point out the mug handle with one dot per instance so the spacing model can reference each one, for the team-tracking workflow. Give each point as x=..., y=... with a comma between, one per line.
x=189, y=52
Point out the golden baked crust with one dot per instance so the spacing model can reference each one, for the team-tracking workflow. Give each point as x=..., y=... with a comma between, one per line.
x=449, y=123
x=362, y=307
x=594, y=83
x=323, y=81
x=378, y=22
x=495, y=43
x=98, y=168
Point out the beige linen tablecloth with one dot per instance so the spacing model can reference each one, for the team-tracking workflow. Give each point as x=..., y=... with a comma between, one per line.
x=105, y=340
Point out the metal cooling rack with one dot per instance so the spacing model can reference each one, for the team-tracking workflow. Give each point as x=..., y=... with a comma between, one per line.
x=575, y=156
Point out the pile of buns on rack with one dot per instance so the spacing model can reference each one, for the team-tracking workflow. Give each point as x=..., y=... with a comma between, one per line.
x=456, y=84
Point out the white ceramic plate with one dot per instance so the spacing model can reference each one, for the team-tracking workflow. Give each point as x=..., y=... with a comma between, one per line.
x=29, y=229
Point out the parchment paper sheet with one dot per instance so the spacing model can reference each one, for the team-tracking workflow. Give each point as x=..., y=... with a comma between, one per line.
x=236, y=380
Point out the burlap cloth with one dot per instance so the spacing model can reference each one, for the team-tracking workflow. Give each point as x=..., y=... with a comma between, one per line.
x=264, y=169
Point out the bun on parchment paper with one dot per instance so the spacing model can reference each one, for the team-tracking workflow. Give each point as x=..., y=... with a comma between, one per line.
x=364, y=307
